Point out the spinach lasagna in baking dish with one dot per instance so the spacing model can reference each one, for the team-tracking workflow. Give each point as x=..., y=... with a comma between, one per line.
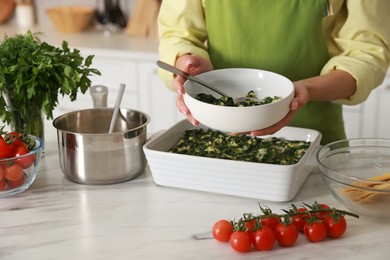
x=215, y=144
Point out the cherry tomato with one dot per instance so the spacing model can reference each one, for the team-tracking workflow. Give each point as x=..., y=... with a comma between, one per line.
x=26, y=161
x=5, y=149
x=271, y=220
x=17, y=183
x=325, y=207
x=335, y=226
x=315, y=231
x=2, y=172
x=3, y=183
x=241, y=241
x=317, y=205
x=321, y=215
x=300, y=220
x=222, y=230
x=250, y=225
x=286, y=234
x=268, y=218
x=14, y=137
x=264, y=238
x=13, y=172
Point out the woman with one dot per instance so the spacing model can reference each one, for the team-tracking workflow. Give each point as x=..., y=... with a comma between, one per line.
x=335, y=52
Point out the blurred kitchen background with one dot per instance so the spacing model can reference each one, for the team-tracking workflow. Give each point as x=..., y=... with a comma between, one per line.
x=41, y=5
x=129, y=55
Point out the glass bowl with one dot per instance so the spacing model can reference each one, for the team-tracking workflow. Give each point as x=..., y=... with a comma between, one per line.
x=28, y=162
x=357, y=172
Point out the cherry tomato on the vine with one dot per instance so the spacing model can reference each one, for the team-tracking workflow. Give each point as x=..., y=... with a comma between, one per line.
x=271, y=221
x=300, y=220
x=250, y=225
x=286, y=234
x=316, y=221
x=241, y=241
x=264, y=238
x=222, y=230
x=335, y=226
x=323, y=214
x=315, y=231
x=268, y=218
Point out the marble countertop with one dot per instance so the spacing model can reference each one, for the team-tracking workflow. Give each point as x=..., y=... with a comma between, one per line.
x=58, y=219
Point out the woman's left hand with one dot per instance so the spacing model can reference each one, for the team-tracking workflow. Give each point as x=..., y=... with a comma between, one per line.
x=301, y=98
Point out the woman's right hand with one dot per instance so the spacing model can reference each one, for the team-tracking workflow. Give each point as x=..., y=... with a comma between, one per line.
x=193, y=65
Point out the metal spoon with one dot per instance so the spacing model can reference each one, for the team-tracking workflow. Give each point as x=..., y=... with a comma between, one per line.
x=99, y=95
x=116, y=108
x=176, y=71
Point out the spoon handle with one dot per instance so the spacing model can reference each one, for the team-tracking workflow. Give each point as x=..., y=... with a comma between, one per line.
x=176, y=71
x=116, y=108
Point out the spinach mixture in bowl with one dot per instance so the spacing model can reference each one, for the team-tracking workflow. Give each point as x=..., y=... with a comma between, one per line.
x=229, y=101
x=215, y=144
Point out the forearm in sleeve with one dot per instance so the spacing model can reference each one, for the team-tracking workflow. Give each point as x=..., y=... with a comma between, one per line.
x=362, y=44
x=181, y=26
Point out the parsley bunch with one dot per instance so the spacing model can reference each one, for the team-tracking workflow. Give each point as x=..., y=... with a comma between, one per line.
x=33, y=74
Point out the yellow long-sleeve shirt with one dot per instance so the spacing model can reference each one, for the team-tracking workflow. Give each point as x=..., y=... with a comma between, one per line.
x=357, y=36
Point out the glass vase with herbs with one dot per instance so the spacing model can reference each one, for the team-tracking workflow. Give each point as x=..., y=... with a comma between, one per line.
x=33, y=74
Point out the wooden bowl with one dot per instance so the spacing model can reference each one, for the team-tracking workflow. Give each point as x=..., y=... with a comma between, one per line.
x=7, y=8
x=71, y=19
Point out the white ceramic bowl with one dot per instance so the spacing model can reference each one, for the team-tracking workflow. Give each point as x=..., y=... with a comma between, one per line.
x=237, y=82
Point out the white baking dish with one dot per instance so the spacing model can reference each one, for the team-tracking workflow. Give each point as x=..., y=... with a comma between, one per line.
x=247, y=179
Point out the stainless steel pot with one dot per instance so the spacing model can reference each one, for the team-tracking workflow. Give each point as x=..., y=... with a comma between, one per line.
x=90, y=155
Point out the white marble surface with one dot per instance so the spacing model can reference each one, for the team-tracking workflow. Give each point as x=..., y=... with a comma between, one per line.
x=58, y=219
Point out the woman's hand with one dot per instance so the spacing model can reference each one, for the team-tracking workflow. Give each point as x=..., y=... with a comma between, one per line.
x=301, y=98
x=192, y=65
x=335, y=85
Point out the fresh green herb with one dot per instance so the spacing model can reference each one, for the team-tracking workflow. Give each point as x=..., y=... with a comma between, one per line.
x=33, y=74
x=229, y=101
x=215, y=144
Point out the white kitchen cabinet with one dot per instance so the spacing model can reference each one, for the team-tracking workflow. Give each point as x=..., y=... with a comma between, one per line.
x=376, y=117
x=353, y=120
x=382, y=116
x=144, y=89
x=155, y=98
x=371, y=118
x=114, y=72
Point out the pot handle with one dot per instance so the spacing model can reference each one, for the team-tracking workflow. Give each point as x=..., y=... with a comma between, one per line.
x=99, y=95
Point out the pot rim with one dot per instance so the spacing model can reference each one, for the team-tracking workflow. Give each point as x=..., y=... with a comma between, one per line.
x=57, y=119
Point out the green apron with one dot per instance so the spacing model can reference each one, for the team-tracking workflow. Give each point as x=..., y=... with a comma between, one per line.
x=283, y=36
